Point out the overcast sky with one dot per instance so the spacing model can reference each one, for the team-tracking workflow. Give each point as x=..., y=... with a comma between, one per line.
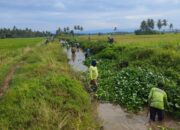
x=91, y=14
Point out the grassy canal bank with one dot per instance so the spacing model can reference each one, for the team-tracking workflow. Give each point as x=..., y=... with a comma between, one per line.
x=44, y=93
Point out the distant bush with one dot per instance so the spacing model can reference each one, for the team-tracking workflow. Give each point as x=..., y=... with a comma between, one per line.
x=166, y=59
x=108, y=53
x=142, y=53
x=95, y=46
x=22, y=33
x=147, y=32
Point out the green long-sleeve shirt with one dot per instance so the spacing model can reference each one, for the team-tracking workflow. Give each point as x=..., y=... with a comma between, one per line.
x=157, y=98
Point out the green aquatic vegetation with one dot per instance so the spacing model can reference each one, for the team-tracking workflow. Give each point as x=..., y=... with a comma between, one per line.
x=149, y=59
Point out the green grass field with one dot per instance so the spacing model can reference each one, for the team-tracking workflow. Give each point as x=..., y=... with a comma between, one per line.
x=124, y=39
x=44, y=93
x=11, y=50
x=17, y=43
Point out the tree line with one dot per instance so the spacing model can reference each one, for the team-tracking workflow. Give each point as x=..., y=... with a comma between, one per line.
x=148, y=27
x=68, y=30
x=22, y=33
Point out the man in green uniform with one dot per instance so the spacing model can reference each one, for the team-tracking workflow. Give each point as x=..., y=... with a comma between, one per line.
x=157, y=100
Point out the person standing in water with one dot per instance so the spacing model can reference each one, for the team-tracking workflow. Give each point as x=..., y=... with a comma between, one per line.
x=157, y=101
x=87, y=53
x=73, y=51
x=78, y=46
x=93, y=71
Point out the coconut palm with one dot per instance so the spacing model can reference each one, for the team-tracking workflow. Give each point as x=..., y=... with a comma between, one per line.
x=115, y=29
x=75, y=28
x=164, y=22
x=67, y=29
x=150, y=24
x=143, y=25
x=171, y=27
x=159, y=24
x=81, y=28
x=78, y=27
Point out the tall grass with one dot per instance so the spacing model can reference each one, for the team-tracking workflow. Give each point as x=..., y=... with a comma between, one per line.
x=45, y=95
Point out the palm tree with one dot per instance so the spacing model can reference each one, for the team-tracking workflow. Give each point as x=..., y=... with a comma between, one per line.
x=14, y=28
x=115, y=29
x=143, y=25
x=72, y=33
x=75, y=27
x=150, y=24
x=78, y=27
x=81, y=28
x=67, y=29
x=164, y=23
x=159, y=24
x=58, y=31
x=171, y=27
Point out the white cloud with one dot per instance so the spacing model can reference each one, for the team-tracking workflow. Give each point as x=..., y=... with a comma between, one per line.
x=167, y=1
x=91, y=14
x=140, y=17
x=59, y=4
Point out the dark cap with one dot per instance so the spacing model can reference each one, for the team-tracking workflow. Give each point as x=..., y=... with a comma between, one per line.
x=160, y=85
x=93, y=63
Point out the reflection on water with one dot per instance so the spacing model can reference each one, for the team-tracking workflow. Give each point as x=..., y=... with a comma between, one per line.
x=76, y=60
x=73, y=57
x=113, y=117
